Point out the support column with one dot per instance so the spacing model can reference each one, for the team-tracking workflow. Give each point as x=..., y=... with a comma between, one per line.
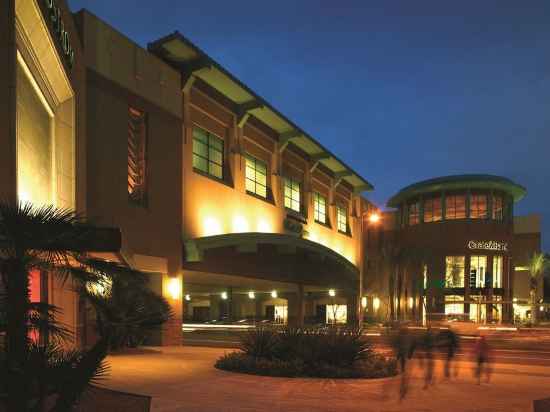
x=215, y=307
x=296, y=307
x=352, y=302
x=171, y=333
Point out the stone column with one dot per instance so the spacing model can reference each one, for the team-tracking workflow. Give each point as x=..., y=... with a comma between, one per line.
x=215, y=309
x=296, y=307
x=352, y=303
x=171, y=290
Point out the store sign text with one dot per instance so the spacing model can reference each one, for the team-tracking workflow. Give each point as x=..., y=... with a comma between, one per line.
x=62, y=34
x=488, y=245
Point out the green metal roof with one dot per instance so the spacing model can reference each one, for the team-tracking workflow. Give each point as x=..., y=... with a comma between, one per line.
x=458, y=182
x=182, y=54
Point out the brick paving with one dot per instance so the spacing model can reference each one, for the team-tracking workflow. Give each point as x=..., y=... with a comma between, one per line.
x=184, y=379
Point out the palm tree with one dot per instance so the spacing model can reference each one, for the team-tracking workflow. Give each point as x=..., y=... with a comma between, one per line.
x=127, y=310
x=538, y=265
x=49, y=240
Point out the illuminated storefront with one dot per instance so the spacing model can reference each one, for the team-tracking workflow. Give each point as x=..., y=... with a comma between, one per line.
x=456, y=247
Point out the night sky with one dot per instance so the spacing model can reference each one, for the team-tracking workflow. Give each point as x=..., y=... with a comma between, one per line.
x=400, y=90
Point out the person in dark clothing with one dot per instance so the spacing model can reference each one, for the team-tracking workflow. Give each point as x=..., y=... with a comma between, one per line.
x=428, y=343
x=448, y=342
x=483, y=358
x=403, y=346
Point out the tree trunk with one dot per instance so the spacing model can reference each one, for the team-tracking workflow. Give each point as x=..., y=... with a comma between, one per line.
x=17, y=288
x=533, y=294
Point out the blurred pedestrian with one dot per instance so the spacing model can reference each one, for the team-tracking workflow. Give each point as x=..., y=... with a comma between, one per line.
x=428, y=343
x=482, y=353
x=403, y=346
x=448, y=341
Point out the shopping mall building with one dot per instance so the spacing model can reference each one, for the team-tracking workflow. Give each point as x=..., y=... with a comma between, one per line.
x=452, y=249
x=234, y=211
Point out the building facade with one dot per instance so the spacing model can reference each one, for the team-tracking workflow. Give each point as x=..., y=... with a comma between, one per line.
x=235, y=212
x=454, y=250
x=42, y=110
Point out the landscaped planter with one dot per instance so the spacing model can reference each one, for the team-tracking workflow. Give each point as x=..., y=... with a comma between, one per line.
x=322, y=353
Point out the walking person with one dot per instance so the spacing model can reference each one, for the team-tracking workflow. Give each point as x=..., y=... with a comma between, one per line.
x=403, y=345
x=428, y=347
x=448, y=340
x=483, y=359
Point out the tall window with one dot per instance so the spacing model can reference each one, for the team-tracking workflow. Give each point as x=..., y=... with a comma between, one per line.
x=342, y=219
x=498, y=208
x=478, y=206
x=497, y=271
x=319, y=208
x=137, y=146
x=454, y=271
x=414, y=213
x=292, y=194
x=432, y=209
x=454, y=305
x=207, y=153
x=256, y=176
x=478, y=267
x=455, y=207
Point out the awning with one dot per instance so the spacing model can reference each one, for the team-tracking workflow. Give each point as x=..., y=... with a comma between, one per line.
x=271, y=256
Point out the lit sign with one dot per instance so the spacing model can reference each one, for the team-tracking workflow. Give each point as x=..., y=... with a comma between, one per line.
x=488, y=245
x=62, y=34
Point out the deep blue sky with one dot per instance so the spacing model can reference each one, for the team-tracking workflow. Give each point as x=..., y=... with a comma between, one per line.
x=401, y=90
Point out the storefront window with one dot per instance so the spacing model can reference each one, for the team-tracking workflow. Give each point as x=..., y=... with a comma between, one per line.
x=207, y=153
x=414, y=213
x=455, y=207
x=454, y=306
x=478, y=267
x=256, y=176
x=432, y=210
x=498, y=208
x=478, y=308
x=337, y=314
x=454, y=271
x=496, y=309
x=319, y=208
x=292, y=194
x=497, y=271
x=478, y=206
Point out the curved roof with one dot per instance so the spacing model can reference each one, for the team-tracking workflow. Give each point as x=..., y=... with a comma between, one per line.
x=457, y=182
x=190, y=60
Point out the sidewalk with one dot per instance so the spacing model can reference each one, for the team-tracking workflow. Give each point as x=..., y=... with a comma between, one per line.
x=184, y=379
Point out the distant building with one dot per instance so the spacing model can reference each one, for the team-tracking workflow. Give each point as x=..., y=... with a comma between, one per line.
x=453, y=249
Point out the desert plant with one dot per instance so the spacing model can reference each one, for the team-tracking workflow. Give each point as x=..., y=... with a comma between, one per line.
x=127, y=311
x=51, y=240
x=260, y=343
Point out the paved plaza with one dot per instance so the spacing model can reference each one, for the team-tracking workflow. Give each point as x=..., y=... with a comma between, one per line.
x=184, y=379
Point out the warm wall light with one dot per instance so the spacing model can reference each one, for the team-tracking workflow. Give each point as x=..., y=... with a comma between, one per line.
x=374, y=218
x=264, y=226
x=212, y=227
x=411, y=302
x=224, y=295
x=376, y=303
x=331, y=293
x=174, y=288
x=240, y=224
x=188, y=297
x=364, y=302
x=274, y=294
x=251, y=295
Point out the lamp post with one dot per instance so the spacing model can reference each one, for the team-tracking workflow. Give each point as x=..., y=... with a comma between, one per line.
x=368, y=218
